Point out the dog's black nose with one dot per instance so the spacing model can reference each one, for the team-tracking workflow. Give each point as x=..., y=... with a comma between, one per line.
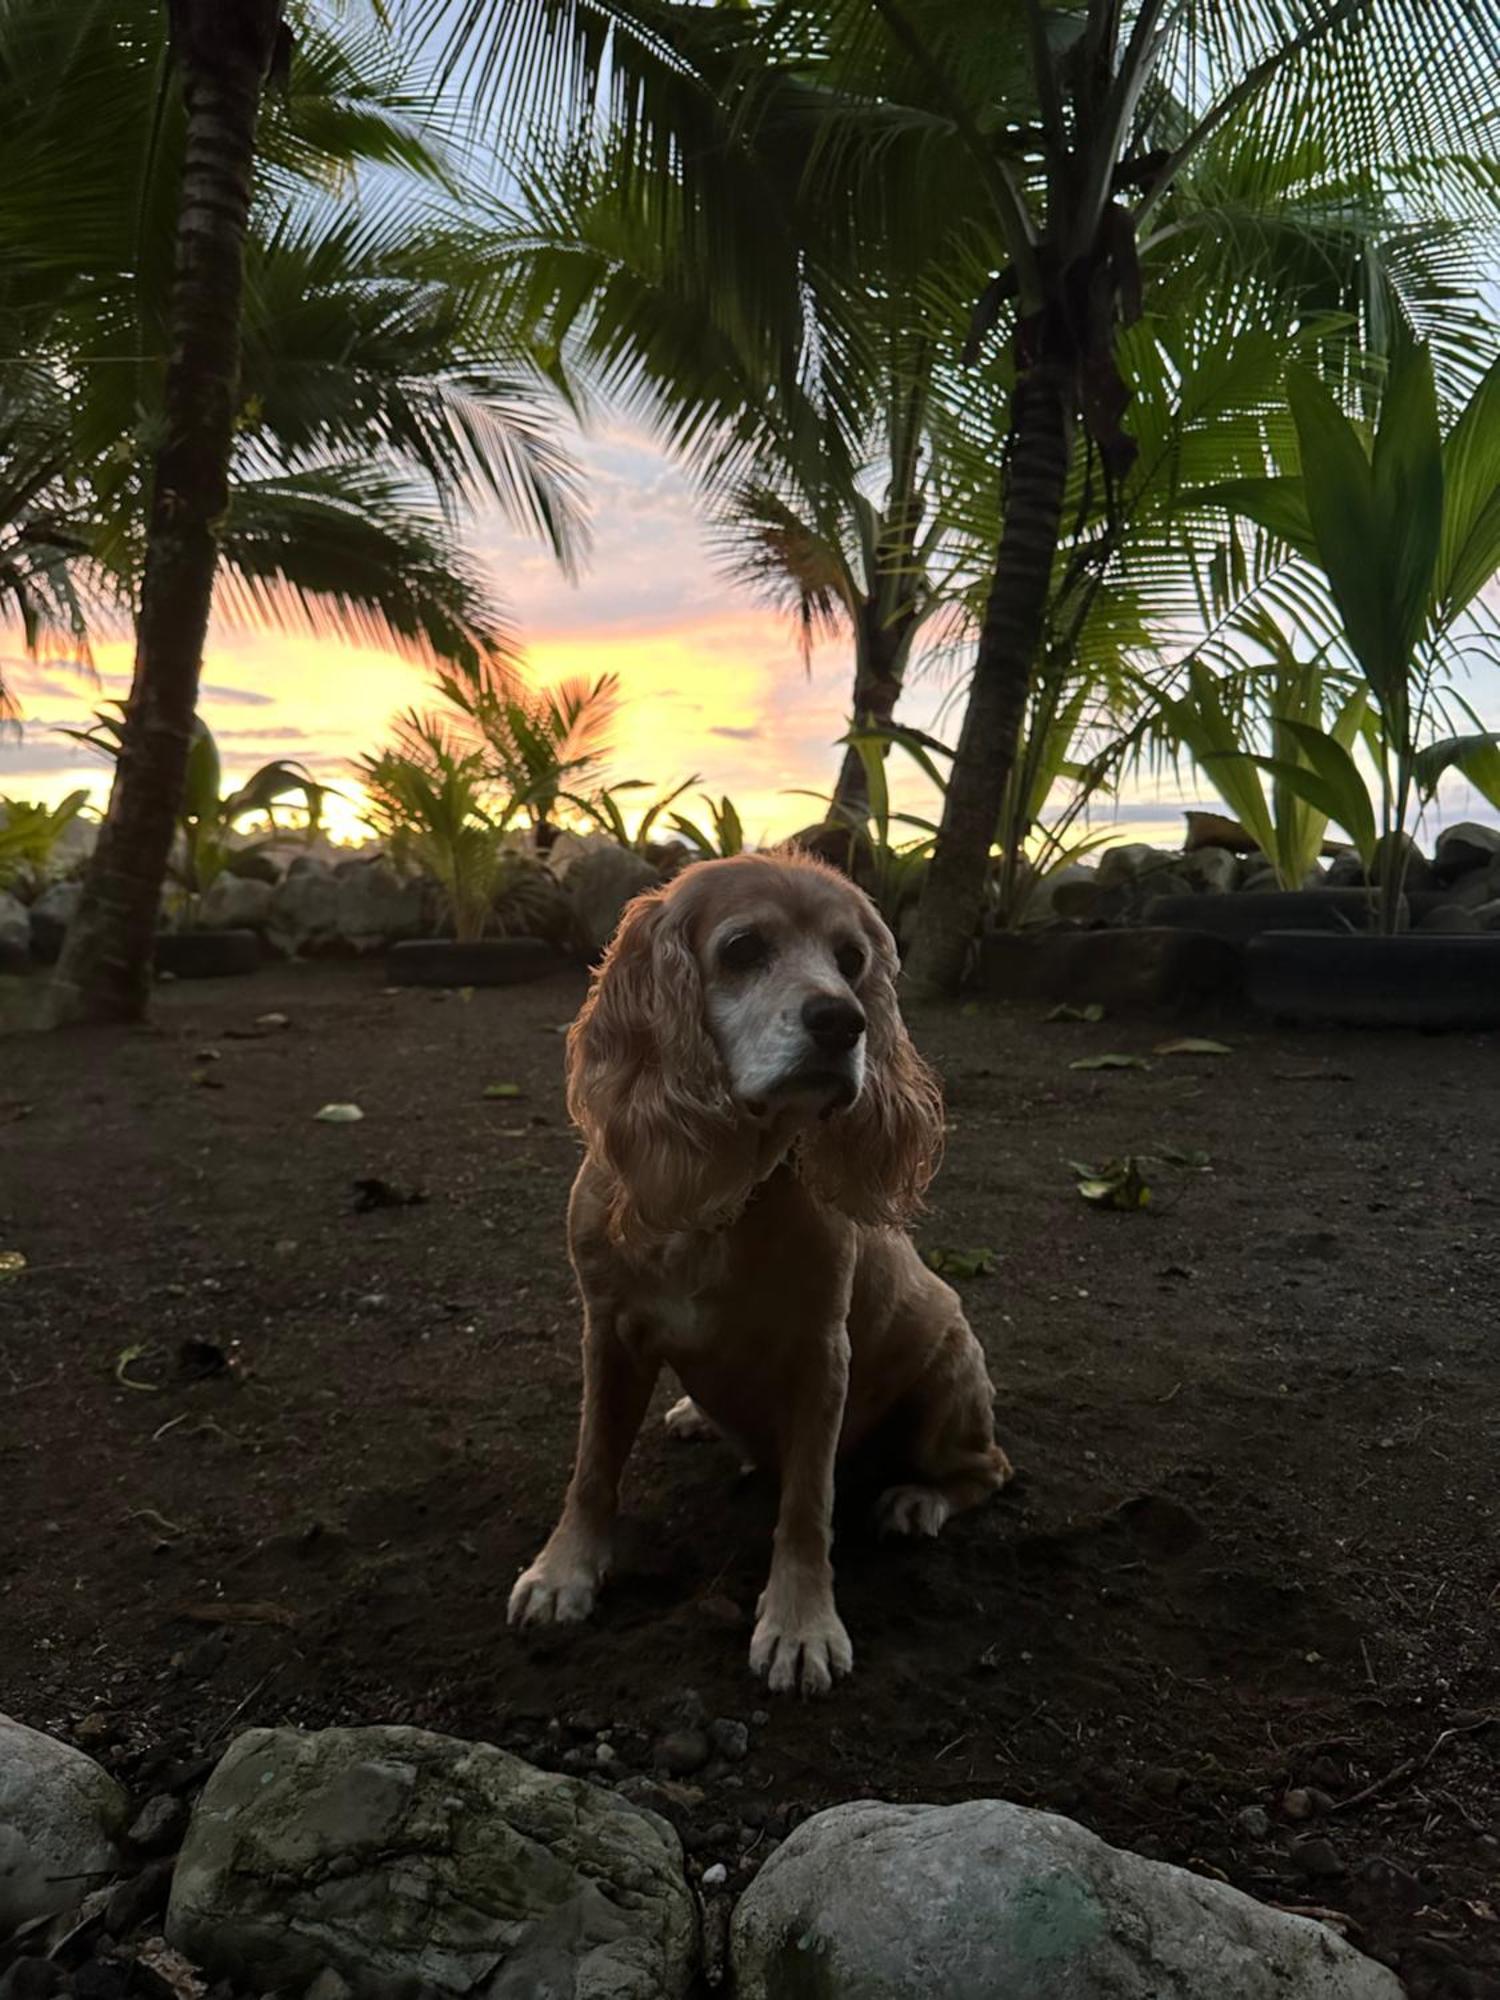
x=835, y=1024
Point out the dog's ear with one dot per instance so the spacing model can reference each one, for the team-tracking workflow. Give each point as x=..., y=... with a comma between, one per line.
x=875, y=1160
x=646, y=1085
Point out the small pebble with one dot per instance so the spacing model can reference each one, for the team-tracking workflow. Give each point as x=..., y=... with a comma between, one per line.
x=159, y=1825
x=1255, y=1821
x=716, y=1876
x=138, y=1897
x=329, y=1985
x=1317, y=1857
x=606, y=1756
x=682, y=1752
x=731, y=1739
x=720, y=1611
x=1297, y=1803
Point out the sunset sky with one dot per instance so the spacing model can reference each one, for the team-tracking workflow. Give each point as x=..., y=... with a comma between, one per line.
x=712, y=681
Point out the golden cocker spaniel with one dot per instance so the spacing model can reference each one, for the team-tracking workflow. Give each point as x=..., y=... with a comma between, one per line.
x=759, y=1129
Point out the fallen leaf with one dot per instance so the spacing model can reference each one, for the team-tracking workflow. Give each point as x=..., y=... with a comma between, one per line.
x=170, y=1968
x=466, y=994
x=502, y=1090
x=240, y=1614
x=122, y=1364
x=1186, y=1159
x=1193, y=1045
x=12, y=1263
x=950, y=1263
x=205, y=1079
x=1118, y=1184
x=1094, y=1011
x=1110, y=1062
x=338, y=1114
x=272, y=1021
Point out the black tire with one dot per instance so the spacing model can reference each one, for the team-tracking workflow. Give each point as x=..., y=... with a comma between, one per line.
x=208, y=954
x=487, y=962
x=1249, y=915
x=1429, y=982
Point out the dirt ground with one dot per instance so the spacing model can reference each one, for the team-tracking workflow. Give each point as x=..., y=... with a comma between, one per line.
x=267, y=1455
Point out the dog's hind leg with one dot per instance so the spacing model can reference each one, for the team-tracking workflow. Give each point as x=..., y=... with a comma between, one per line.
x=951, y=1456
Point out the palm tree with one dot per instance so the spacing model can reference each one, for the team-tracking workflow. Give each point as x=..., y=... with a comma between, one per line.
x=1089, y=165
x=358, y=408
x=224, y=56
x=1098, y=177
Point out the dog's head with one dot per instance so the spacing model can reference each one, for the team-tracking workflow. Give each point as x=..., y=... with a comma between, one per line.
x=748, y=1007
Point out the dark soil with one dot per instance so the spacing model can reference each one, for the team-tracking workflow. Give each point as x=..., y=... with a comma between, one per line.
x=271, y=1450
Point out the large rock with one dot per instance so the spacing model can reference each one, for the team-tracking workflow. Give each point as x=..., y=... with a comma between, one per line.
x=1465, y=847
x=60, y=1819
x=51, y=914
x=1211, y=829
x=354, y=906
x=376, y=906
x=304, y=912
x=1135, y=862
x=15, y=934
x=1069, y=891
x=1210, y=870
x=600, y=883
x=1417, y=872
x=236, y=903
x=991, y=1901
x=403, y=1859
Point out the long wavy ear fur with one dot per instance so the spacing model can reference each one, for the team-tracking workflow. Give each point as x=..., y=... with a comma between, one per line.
x=875, y=1160
x=647, y=1087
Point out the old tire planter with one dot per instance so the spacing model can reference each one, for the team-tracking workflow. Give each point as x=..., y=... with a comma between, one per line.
x=207, y=954
x=1421, y=981
x=1248, y=914
x=486, y=962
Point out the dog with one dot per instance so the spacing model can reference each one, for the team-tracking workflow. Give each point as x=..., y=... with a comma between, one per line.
x=759, y=1129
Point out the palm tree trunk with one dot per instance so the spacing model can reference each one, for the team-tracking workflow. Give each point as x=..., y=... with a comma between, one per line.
x=1009, y=640
x=225, y=51
x=877, y=688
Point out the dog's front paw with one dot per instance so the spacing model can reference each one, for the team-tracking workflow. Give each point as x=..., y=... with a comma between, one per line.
x=800, y=1651
x=554, y=1592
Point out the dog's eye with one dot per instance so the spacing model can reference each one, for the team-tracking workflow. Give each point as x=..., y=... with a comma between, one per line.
x=744, y=951
x=850, y=960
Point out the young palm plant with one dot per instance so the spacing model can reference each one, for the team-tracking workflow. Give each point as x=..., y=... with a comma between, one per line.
x=1404, y=523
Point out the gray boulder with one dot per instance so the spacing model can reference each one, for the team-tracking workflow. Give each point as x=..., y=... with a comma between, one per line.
x=304, y=909
x=60, y=1819
x=51, y=914
x=235, y=903
x=1134, y=862
x=15, y=934
x=1465, y=847
x=991, y=1901
x=356, y=906
x=1210, y=870
x=376, y=906
x=600, y=883
x=1418, y=871
x=1070, y=891
x=405, y=1860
